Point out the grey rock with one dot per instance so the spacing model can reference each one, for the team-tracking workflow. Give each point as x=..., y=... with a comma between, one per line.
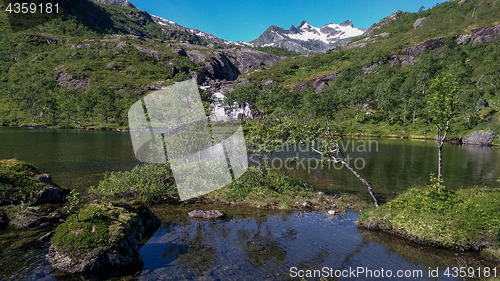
x=403, y=61
x=120, y=3
x=480, y=137
x=67, y=81
x=181, y=52
x=223, y=67
x=246, y=59
x=151, y=52
x=306, y=204
x=51, y=39
x=485, y=34
x=463, y=39
x=49, y=194
x=417, y=50
x=206, y=214
x=35, y=216
x=420, y=22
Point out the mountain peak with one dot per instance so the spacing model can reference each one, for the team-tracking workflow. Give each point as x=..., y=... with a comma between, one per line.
x=293, y=29
x=347, y=23
x=302, y=23
x=306, y=38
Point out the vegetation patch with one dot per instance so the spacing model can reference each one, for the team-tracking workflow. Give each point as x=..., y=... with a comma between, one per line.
x=150, y=182
x=17, y=181
x=94, y=227
x=467, y=219
x=154, y=183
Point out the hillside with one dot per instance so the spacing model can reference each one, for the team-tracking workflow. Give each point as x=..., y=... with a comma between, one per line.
x=380, y=83
x=87, y=67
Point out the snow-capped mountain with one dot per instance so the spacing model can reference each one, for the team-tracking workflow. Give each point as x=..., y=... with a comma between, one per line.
x=306, y=38
x=209, y=37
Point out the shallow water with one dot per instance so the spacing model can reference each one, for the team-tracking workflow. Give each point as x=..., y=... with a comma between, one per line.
x=250, y=244
x=263, y=245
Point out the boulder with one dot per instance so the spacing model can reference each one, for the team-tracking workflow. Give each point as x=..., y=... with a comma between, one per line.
x=25, y=184
x=307, y=204
x=479, y=137
x=204, y=214
x=21, y=217
x=420, y=22
x=101, y=237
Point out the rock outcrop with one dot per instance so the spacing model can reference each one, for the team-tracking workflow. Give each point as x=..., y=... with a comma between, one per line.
x=211, y=215
x=223, y=67
x=114, y=231
x=25, y=184
x=479, y=137
x=245, y=59
x=120, y=3
x=33, y=216
x=151, y=52
x=485, y=34
x=417, y=50
x=420, y=22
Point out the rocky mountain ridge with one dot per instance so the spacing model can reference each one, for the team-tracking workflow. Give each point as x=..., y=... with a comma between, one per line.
x=306, y=38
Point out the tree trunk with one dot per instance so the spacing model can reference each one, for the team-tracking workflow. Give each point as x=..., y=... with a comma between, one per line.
x=367, y=183
x=440, y=161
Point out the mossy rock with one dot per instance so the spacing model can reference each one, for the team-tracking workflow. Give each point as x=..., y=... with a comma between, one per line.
x=101, y=237
x=21, y=182
x=22, y=216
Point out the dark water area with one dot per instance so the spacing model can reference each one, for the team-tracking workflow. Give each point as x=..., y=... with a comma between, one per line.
x=257, y=245
x=252, y=244
x=75, y=159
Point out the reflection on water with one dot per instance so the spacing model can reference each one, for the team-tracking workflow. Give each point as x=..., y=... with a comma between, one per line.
x=277, y=246
x=264, y=245
x=249, y=244
x=394, y=165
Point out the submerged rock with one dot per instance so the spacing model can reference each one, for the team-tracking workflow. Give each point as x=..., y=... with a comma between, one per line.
x=206, y=214
x=479, y=137
x=21, y=217
x=101, y=237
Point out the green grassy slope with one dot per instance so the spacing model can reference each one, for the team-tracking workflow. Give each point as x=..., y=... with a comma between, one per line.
x=379, y=88
x=87, y=67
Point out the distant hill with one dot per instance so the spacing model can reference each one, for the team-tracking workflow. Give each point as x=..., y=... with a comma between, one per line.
x=86, y=67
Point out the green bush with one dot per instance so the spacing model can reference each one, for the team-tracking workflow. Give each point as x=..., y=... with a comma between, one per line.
x=150, y=182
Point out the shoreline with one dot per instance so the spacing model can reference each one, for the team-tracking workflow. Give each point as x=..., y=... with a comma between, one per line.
x=496, y=141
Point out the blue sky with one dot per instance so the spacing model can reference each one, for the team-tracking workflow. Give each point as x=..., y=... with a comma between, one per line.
x=246, y=20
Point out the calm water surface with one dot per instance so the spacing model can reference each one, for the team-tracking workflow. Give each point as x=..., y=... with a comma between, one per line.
x=249, y=244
